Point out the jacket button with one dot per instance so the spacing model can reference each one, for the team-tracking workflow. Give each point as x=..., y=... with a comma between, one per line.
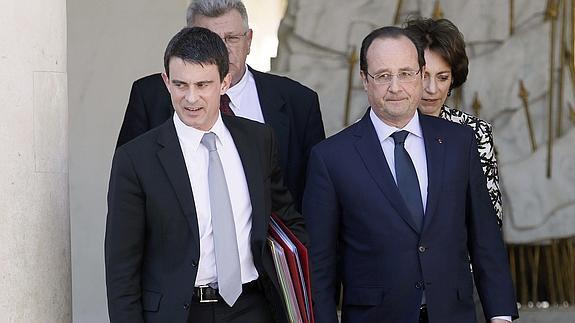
x=194, y=264
x=186, y=307
x=419, y=285
x=421, y=249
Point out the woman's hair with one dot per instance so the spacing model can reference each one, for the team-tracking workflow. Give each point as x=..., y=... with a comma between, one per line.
x=442, y=37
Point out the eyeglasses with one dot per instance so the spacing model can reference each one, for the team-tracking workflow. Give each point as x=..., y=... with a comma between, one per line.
x=234, y=39
x=402, y=77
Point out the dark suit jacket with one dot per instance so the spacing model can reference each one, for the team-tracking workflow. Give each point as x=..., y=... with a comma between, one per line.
x=352, y=207
x=291, y=109
x=152, y=239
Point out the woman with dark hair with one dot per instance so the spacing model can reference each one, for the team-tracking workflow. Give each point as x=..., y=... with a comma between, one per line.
x=446, y=68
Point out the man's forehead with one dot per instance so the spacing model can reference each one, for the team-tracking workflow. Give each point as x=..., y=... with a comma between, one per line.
x=392, y=53
x=393, y=46
x=191, y=71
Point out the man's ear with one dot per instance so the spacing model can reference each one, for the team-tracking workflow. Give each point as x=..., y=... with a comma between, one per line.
x=249, y=36
x=226, y=82
x=363, y=80
x=166, y=81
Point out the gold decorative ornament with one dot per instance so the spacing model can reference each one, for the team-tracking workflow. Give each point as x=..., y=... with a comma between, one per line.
x=437, y=12
x=524, y=95
x=476, y=105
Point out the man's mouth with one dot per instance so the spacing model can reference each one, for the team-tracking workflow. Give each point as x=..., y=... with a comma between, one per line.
x=395, y=99
x=193, y=109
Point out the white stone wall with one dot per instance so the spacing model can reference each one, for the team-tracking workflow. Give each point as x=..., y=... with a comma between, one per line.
x=317, y=38
x=34, y=218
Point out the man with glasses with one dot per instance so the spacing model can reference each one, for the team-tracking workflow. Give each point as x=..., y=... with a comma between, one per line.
x=401, y=198
x=291, y=109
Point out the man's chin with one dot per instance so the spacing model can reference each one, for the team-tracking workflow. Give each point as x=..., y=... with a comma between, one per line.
x=397, y=105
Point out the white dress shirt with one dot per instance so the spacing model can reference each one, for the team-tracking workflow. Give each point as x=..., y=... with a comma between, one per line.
x=196, y=157
x=244, y=98
x=415, y=146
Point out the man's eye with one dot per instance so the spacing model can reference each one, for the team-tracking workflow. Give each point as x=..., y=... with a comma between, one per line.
x=232, y=38
x=384, y=76
x=405, y=74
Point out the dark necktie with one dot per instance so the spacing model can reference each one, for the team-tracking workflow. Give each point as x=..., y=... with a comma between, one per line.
x=406, y=176
x=225, y=105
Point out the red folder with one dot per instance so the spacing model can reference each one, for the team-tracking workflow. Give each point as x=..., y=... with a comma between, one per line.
x=300, y=274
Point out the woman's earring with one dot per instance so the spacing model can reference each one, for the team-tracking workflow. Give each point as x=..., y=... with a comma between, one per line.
x=449, y=92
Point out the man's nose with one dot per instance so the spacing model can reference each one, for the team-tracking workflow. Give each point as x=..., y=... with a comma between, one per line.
x=191, y=95
x=394, y=85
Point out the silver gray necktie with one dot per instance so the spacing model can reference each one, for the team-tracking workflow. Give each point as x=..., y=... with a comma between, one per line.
x=225, y=241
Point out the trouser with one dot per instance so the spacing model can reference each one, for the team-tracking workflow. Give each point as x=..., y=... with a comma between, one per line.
x=250, y=307
x=423, y=314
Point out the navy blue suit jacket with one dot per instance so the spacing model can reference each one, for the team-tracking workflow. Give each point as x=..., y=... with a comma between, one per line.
x=291, y=109
x=354, y=211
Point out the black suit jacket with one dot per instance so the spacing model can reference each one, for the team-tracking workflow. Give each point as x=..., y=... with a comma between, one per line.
x=290, y=108
x=152, y=241
x=353, y=208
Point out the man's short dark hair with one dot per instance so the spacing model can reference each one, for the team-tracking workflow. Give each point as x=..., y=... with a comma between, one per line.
x=198, y=45
x=386, y=33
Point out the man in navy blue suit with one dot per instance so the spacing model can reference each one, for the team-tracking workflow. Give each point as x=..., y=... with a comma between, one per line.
x=399, y=199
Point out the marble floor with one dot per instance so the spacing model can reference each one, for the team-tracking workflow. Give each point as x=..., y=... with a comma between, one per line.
x=552, y=315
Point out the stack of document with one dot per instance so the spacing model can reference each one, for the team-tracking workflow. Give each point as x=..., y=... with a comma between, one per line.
x=292, y=266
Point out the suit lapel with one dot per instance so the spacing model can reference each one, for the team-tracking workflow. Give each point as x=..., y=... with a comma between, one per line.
x=274, y=112
x=172, y=160
x=369, y=148
x=252, y=170
x=435, y=153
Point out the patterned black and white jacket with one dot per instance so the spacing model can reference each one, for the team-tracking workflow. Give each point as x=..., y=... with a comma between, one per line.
x=487, y=153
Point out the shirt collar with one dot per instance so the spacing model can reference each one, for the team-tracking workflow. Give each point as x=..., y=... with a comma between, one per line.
x=384, y=130
x=190, y=137
x=235, y=92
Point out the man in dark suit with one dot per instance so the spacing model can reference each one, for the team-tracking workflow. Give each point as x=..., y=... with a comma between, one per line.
x=291, y=109
x=401, y=197
x=189, y=204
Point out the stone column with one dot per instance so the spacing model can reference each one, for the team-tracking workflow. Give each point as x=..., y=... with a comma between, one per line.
x=35, y=279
